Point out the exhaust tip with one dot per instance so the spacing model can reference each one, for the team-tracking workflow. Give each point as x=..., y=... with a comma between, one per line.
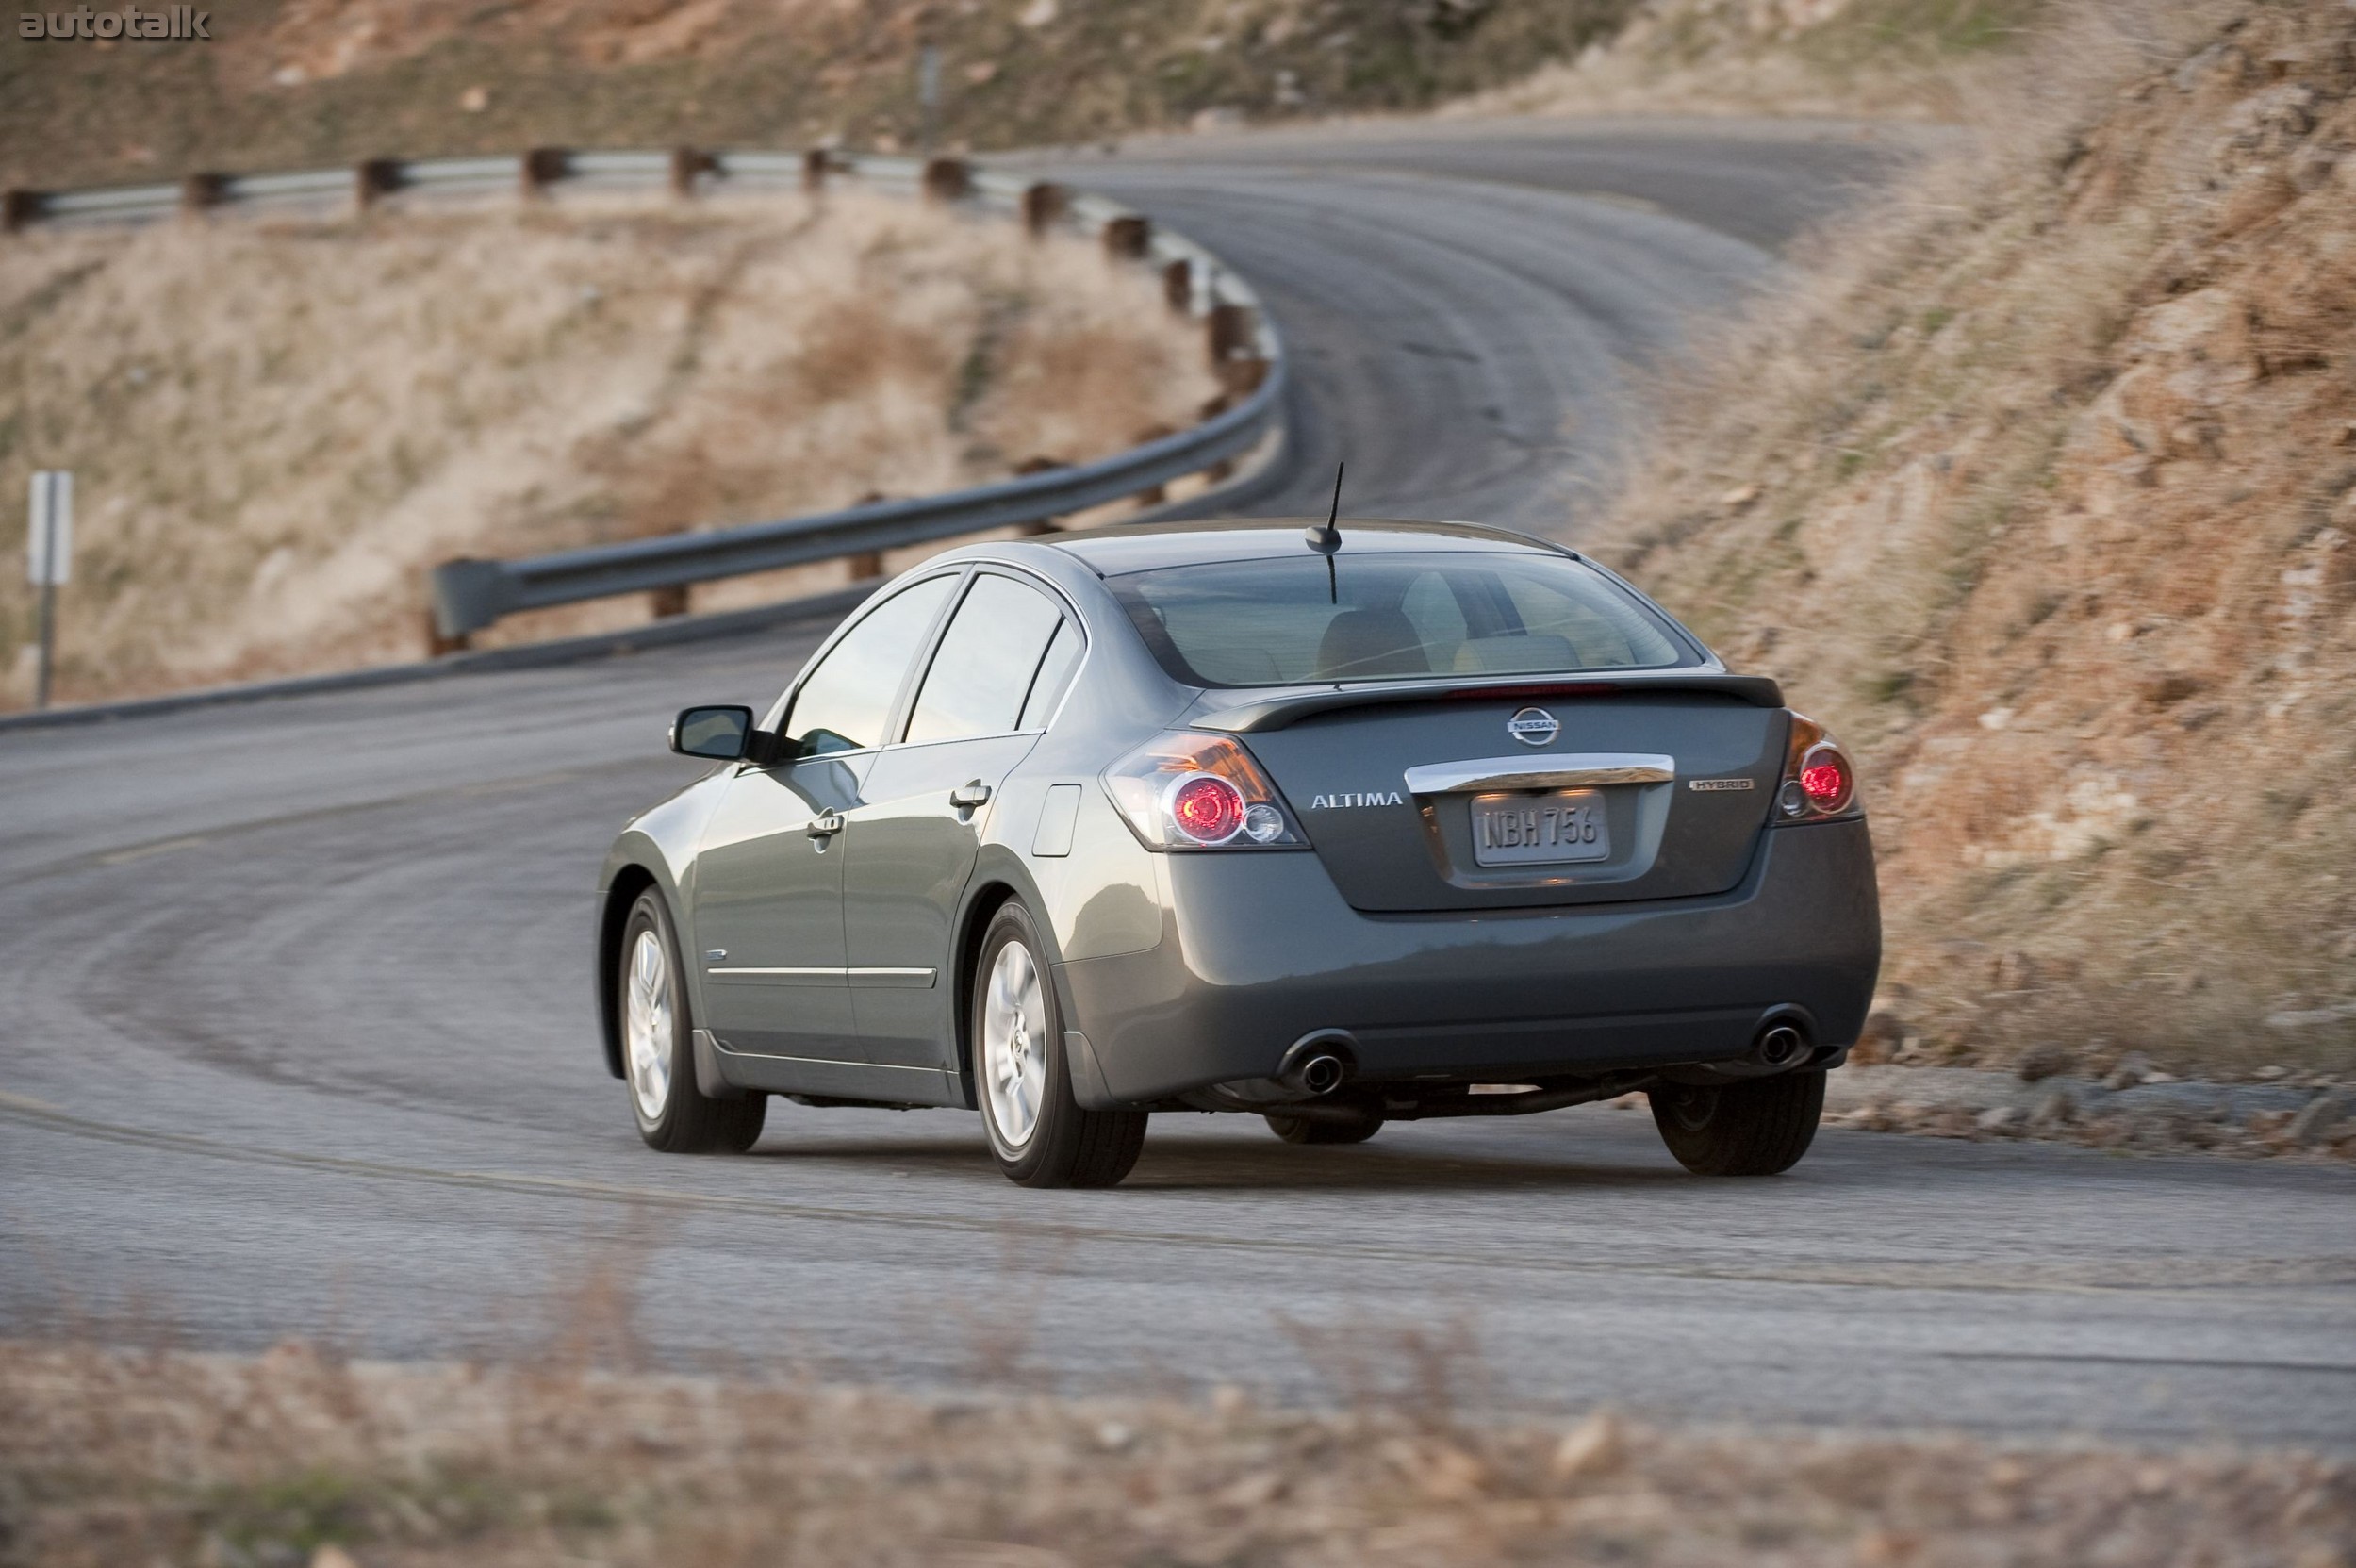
x=1780, y=1045
x=1321, y=1075
x=1318, y=1063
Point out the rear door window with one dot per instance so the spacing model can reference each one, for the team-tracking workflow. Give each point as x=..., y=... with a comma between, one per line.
x=987, y=662
x=1055, y=673
x=846, y=704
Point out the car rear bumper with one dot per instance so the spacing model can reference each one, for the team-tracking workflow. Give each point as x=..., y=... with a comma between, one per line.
x=1259, y=949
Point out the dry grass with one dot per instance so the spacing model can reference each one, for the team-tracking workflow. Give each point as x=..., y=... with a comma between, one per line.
x=2041, y=491
x=1899, y=59
x=292, y=83
x=299, y=1456
x=277, y=426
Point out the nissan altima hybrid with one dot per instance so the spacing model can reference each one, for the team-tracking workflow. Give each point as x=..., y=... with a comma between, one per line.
x=1331, y=826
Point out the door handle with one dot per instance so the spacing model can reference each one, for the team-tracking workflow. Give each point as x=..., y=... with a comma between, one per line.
x=827, y=826
x=967, y=795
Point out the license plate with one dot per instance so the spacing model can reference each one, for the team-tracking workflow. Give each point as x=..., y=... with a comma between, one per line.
x=1540, y=830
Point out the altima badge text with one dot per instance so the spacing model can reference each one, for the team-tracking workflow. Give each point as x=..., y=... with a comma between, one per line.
x=1718, y=783
x=1371, y=798
x=1533, y=726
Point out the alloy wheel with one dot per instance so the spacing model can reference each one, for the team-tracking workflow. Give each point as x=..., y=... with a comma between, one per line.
x=1014, y=1045
x=648, y=1025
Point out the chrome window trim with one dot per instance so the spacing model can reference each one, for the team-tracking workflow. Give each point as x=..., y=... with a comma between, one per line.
x=932, y=647
x=897, y=716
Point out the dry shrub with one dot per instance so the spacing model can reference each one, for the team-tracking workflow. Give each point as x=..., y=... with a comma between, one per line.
x=278, y=425
x=114, y=1457
x=2040, y=490
x=1897, y=59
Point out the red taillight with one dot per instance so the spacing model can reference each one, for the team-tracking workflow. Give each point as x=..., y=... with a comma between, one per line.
x=1197, y=790
x=1818, y=781
x=1207, y=809
x=1825, y=782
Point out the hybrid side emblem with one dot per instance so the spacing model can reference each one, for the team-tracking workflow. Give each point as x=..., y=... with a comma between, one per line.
x=1533, y=726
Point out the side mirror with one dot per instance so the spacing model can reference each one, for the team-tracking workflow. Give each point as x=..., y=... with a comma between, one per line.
x=719, y=734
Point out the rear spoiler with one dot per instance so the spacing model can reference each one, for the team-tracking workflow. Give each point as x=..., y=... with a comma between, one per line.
x=1276, y=711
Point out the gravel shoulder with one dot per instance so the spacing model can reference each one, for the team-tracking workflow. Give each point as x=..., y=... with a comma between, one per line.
x=2310, y=1118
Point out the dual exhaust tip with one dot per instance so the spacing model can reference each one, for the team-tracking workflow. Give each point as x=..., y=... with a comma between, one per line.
x=1780, y=1045
x=1317, y=1064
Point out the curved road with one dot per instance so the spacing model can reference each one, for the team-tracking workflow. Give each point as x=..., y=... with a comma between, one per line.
x=298, y=1039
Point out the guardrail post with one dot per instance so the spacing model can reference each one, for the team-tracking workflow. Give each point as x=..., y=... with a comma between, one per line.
x=1243, y=374
x=20, y=207
x=468, y=594
x=688, y=164
x=665, y=602
x=1129, y=237
x=864, y=563
x=1224, y=469
x=1227, y=330
x=1028, y=467
x=1178, y=286
x=1154, y=495
x=543, y=166
x=200, y=191
x=373, y=179
x=815, y=163
x=1044, y=206
x=948, y=179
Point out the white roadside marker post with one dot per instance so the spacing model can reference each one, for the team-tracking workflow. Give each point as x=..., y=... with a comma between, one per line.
x=49, y=561
x=927, y=96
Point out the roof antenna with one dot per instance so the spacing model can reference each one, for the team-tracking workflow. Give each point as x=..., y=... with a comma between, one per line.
x=1328, y=540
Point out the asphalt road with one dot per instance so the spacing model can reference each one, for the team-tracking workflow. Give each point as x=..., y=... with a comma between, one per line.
x=295, y=1014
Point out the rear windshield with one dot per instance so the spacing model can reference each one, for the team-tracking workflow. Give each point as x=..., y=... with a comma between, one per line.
x=1283, y=622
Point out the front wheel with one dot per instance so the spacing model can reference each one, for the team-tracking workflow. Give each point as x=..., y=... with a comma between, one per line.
x=1760, y=1127
x=1040, y=1134
x=651, y=999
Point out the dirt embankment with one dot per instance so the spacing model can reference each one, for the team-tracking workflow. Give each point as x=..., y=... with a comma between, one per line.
x=277, y=427
x=2042, y=492
x=1903, y=59
x=293, y=82
x=296, y=1458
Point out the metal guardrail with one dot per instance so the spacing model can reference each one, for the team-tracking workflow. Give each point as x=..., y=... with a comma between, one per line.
x=470, y=595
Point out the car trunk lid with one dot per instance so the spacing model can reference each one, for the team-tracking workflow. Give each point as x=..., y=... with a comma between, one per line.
x=1444, y=797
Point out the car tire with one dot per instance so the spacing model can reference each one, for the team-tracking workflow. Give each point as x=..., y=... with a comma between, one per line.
x=658, y=1053
x=1039, y=1133
x=1316, y=1130
x=1760, y=1127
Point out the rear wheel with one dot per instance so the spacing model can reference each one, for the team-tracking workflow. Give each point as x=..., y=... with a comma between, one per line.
x=1317, y=1129
x=658, y=1058
x=1760, y=1127
x=1039, y=1133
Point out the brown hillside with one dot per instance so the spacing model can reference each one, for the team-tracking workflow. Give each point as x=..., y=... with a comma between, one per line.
x=299, y=82
x=2043, y=495
x=278, y=426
